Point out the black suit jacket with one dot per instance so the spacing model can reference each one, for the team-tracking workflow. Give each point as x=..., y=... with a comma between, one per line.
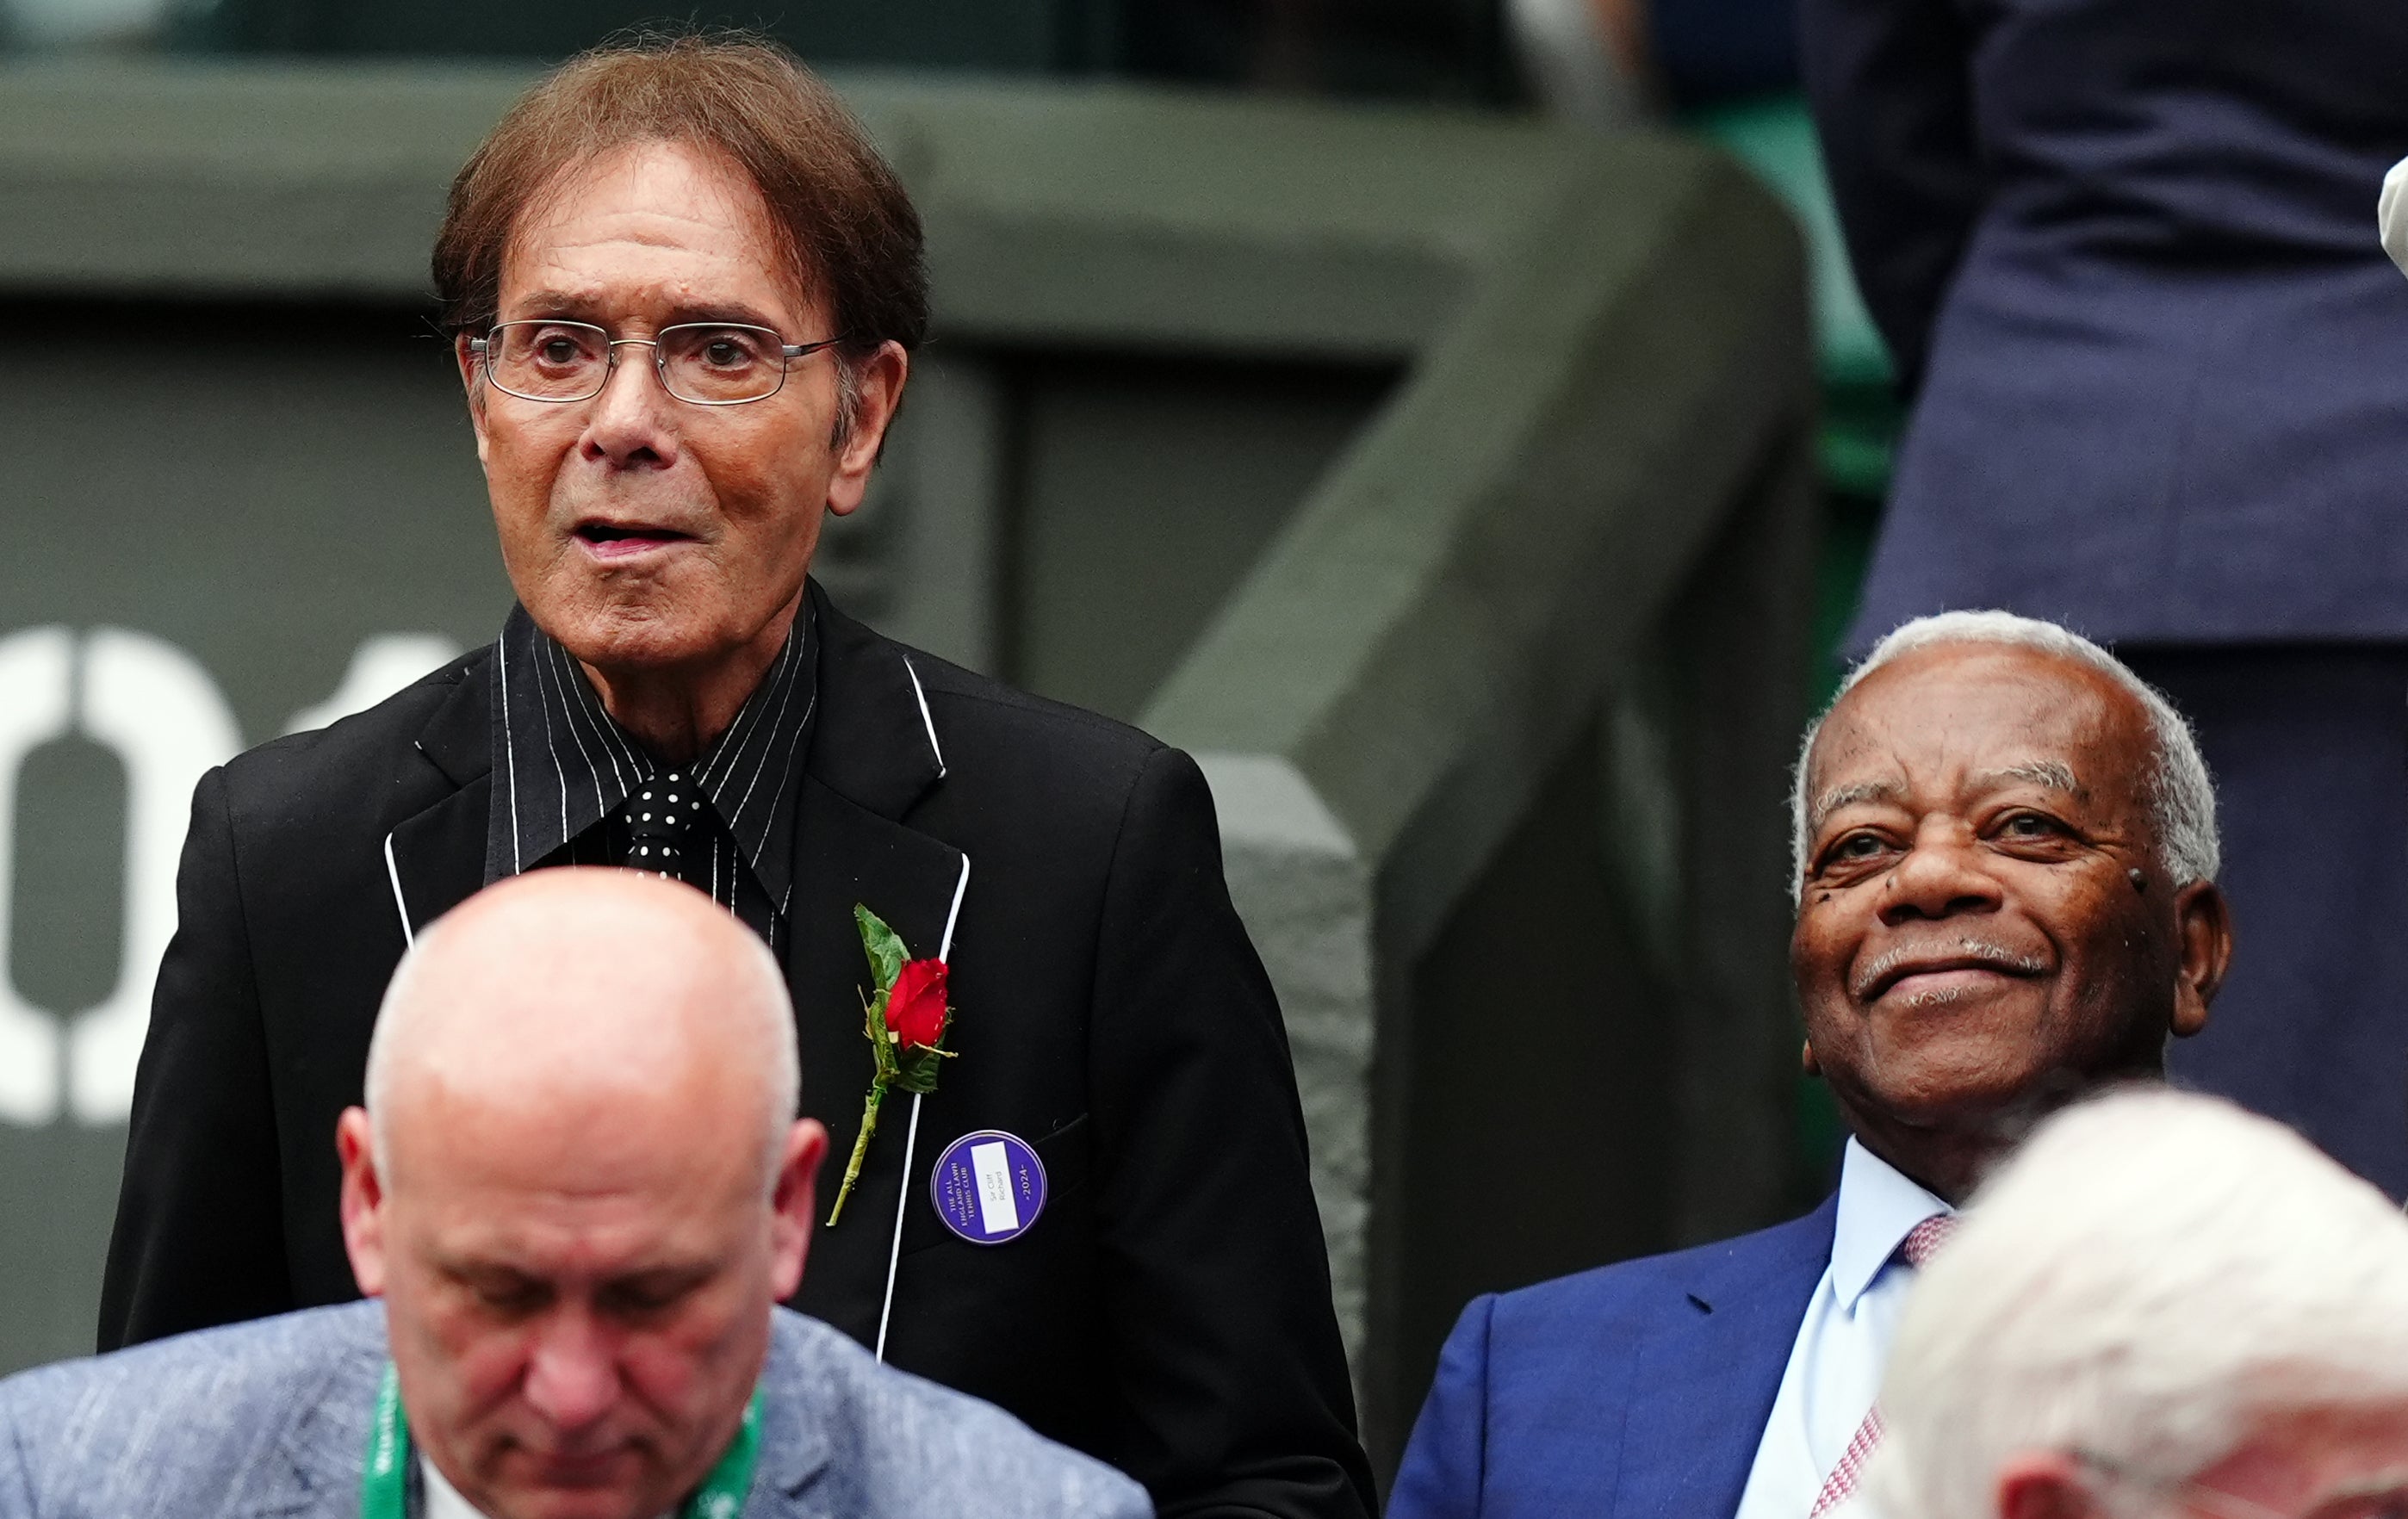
x=1170, y=1312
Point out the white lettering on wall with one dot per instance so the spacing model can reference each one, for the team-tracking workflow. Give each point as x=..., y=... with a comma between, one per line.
x=36, y=674
x=162, y=716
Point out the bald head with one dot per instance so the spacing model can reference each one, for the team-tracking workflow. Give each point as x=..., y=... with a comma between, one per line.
x=584, y=992
x=580, y=1187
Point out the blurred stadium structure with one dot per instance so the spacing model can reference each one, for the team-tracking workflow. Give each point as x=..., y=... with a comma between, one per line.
x=1423, y=49
x=1446, y=481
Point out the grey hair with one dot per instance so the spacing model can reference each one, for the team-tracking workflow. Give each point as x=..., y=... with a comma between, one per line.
x=2181, y=794
x=848, y=399
x=395, y=1016
x=2149, y=1281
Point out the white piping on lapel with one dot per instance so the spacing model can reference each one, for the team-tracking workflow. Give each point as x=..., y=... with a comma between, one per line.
x=393, y=873
x=911, y=1134
x=509, y=753
x=934, y=748
x=953, y=914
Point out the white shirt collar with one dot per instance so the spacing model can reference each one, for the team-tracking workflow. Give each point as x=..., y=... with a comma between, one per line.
x=1878, y=1208
x=443, y=1500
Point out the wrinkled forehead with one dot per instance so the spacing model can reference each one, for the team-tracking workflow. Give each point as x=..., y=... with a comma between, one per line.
x=669, y=180
x=668, y=1142
x=551, y=1228
x=1944, y=721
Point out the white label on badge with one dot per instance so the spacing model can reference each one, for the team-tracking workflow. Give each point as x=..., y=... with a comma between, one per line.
x=998, y=1213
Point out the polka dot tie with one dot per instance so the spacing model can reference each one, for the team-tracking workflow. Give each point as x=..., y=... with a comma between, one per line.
x=660, y=823
x=1921, y=1243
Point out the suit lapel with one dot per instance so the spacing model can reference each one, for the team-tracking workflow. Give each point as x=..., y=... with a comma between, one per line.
x=876, y=742
x=874, y=753
x=1710, y=1375
x=435, y=858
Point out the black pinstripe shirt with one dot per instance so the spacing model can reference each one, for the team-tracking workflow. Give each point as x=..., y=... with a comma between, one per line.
x=563, y=772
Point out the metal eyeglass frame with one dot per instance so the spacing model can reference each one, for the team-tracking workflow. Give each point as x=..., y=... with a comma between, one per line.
x=787, y=355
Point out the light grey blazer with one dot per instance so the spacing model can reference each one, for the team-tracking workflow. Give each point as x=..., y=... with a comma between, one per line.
x=272, y=1418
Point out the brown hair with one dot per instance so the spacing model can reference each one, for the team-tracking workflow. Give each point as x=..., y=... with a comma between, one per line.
x=850, y=230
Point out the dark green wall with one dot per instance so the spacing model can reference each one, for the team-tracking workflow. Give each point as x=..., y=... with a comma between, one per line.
x=260, y=490
x=1145, y=490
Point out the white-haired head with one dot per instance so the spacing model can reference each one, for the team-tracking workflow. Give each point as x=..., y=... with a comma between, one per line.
x=2153, y=1277
x=592, y=978
x=2391, y=214
x=2180, y=796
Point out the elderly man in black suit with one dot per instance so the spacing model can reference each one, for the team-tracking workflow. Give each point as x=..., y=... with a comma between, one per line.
x=2120, y=249
x=685, y=289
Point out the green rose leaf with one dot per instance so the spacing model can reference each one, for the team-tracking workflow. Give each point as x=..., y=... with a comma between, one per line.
x=884, y=946
x=917, y=1072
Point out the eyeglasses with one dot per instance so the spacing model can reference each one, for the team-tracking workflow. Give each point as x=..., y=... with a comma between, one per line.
x=2383, y=1498
x=704, y=363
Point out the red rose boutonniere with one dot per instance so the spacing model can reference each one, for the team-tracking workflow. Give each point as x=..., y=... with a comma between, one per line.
x=915, y=1004
x=906, y=1025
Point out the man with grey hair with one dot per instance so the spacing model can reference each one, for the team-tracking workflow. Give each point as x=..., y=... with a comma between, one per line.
x=2160, y=1305
x=579, y=1190
x=2006, y=895
x=2179, y=791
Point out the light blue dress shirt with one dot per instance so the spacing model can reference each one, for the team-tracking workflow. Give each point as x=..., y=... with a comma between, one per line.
x=1844, y=1342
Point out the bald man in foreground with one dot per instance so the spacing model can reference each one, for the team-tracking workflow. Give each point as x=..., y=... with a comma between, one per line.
x=579, y=1191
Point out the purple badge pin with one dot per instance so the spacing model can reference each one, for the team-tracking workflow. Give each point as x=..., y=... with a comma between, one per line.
x=988, y=1186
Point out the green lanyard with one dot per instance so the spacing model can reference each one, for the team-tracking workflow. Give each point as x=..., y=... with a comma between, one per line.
x=384, y=1480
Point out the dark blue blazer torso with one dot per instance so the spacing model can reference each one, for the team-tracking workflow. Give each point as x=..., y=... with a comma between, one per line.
x=1639, y=1389
x=2126, y=250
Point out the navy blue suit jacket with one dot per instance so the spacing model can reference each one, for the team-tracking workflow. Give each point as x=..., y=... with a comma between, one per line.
x=1634, y=1390
x=2126, y=249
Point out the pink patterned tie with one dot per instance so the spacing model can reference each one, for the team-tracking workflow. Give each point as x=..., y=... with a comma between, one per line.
x=1920, y=1245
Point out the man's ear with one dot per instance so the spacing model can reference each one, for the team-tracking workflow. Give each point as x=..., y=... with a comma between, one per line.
x=364, y=1197
x=2043, y=1485
x=794, y=1204
x=2204, y=929
x=878, y=391
x=472, y=374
